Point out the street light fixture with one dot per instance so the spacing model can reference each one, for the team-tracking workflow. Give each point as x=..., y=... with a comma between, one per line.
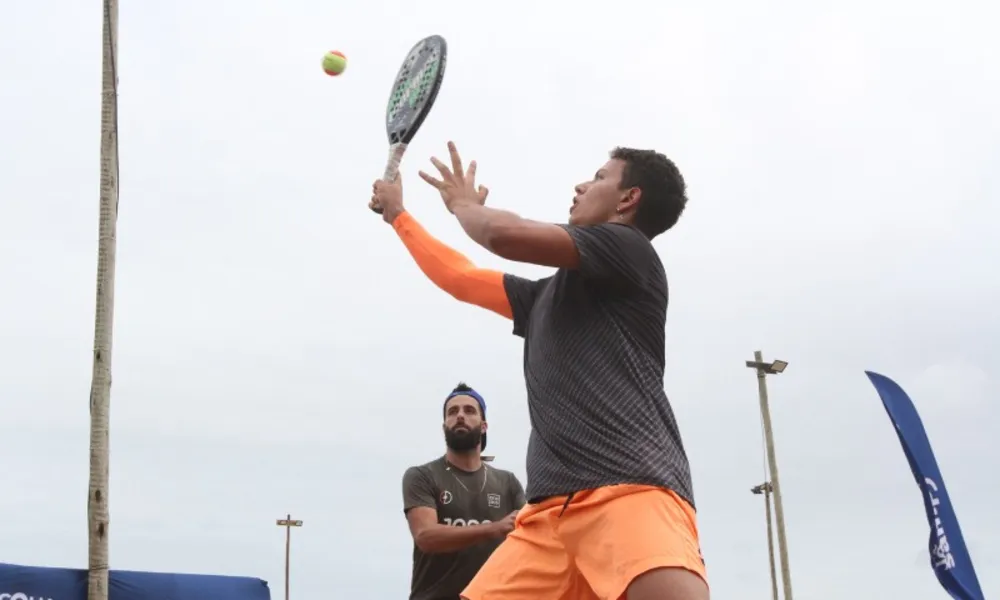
x=775, y=367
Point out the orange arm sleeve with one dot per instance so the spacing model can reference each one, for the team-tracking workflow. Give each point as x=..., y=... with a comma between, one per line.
x=451, y=271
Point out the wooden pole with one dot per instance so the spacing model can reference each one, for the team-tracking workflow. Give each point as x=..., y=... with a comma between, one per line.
x=288, y=523
x=288, y=558
x=100, y=388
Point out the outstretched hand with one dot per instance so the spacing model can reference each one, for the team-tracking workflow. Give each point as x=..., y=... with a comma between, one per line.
x=456, y=186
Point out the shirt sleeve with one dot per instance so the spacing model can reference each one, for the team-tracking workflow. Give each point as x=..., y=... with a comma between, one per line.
x=613, y=253
x=516, y=492
x=450, y=270
x=418, y=490
x=521, y=295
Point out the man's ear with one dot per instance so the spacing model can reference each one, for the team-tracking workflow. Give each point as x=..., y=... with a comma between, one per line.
x=630, y=200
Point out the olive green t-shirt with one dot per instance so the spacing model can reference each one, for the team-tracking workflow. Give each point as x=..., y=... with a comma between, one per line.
x=461, y=499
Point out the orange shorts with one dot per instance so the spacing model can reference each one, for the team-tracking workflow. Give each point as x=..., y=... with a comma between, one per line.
x=592, y=547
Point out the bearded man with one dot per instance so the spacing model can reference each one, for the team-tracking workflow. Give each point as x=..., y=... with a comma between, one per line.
x=458, y=508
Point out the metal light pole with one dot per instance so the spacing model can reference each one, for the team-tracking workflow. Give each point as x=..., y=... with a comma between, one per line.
x=764, y=369
x=765, y=489
x=288, y=523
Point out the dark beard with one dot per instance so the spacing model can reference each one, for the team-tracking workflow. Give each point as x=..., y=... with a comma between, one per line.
x=463, y=441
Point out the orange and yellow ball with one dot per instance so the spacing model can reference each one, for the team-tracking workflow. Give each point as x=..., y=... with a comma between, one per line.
x=334, y=63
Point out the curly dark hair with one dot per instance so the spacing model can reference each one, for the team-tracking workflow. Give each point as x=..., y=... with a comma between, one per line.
x=663, y=188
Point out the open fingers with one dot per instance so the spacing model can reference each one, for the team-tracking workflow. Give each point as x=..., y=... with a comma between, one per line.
x=431, y=180
x=445, y=173
x=456, y=160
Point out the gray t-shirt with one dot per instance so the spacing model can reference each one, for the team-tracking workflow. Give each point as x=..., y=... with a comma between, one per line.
x=461, y=499
x=593, y=367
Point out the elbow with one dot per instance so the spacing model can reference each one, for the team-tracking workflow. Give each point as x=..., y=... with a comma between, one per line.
x=501, y=239
x=425, y=543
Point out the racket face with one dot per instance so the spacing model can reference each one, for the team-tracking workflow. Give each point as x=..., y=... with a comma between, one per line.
x=415, y=89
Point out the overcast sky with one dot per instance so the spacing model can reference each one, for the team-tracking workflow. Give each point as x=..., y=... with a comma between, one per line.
x=276, y=350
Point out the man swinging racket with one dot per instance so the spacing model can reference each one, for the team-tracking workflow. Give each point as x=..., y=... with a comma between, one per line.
x=610, y=511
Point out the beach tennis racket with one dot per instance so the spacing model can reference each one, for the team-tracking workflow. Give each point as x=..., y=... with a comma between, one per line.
x=413, y=94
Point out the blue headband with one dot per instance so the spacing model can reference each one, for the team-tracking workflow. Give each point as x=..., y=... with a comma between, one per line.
x=482, y=408
x=472, y=393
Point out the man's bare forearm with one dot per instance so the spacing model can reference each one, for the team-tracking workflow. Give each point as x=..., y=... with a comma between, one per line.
x=484, y=224
x=515, y=238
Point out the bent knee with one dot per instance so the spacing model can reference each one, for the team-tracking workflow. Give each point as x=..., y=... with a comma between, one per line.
x=668, y=583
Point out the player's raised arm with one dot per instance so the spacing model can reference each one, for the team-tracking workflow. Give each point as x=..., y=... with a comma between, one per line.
x=515, y=238
x=501, y=232
x=447, y=268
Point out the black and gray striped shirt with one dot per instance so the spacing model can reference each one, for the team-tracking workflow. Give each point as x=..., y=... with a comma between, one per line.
x=593, y=366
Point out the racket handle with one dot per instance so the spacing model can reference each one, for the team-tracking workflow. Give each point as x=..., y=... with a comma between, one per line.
x=391, y=168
